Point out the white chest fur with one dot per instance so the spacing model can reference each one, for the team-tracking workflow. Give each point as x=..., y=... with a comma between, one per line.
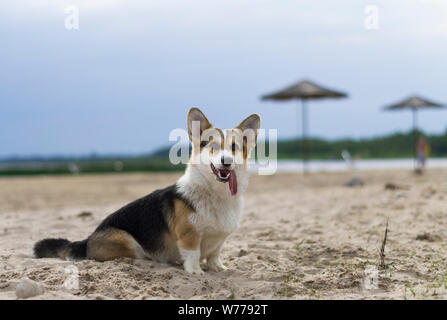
x=217, y=215
x=216, y=210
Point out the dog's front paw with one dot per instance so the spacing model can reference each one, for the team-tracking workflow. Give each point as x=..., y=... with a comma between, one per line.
x=216, y=265
x=194, y=270
x=191, y=262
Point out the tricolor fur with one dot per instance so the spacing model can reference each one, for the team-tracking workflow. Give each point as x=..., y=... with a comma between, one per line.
x=187, y=222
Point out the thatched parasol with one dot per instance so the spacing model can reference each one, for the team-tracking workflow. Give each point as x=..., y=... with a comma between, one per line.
x=414, y=103
x=304, y=90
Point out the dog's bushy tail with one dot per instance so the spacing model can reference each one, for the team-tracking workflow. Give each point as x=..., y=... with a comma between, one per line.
x=61, y=248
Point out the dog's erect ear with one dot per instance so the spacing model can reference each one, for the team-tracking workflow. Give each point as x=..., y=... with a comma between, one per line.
x=250, y=127
x=195, y=115
x=252, y=122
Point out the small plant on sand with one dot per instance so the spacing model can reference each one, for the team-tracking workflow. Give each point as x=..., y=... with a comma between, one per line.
x=436, y=265
x=382, y=249
x=440, y=284
x=297, y=247
x=382, y=265
x=285, y=290
x=232, y=294
x=410, y=287
x=357, y=264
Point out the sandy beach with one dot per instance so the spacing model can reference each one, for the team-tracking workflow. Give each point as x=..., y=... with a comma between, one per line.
x=301, y=237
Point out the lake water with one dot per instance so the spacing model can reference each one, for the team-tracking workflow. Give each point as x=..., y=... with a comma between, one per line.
x=294, y=165
x=341, y=165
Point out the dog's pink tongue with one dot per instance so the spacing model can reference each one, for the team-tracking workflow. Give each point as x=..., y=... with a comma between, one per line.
x=232, y=183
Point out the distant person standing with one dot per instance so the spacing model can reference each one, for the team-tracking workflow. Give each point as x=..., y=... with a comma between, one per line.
x=422, y=149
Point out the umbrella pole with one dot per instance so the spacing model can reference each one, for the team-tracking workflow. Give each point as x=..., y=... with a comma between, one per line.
x=305, y=146
x=415, y=138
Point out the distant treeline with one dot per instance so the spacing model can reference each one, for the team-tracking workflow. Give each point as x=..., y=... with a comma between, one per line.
x=87, y=166
x=398, y=145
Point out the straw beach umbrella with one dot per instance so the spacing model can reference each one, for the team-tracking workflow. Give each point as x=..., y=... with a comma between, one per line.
x=304, y=90
x=414, y=103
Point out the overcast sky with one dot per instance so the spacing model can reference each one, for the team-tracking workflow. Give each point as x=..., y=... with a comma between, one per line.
x=129, y=74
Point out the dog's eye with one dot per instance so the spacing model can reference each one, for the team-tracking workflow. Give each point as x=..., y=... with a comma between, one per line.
x=234, y=147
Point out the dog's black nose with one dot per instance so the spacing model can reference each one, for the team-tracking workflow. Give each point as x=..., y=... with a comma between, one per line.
x=226, y=161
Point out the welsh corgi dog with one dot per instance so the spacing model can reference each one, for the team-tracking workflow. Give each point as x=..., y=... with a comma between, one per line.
x=187, y=222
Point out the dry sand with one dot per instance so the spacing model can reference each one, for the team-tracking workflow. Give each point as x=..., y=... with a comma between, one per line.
x=302, y=237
